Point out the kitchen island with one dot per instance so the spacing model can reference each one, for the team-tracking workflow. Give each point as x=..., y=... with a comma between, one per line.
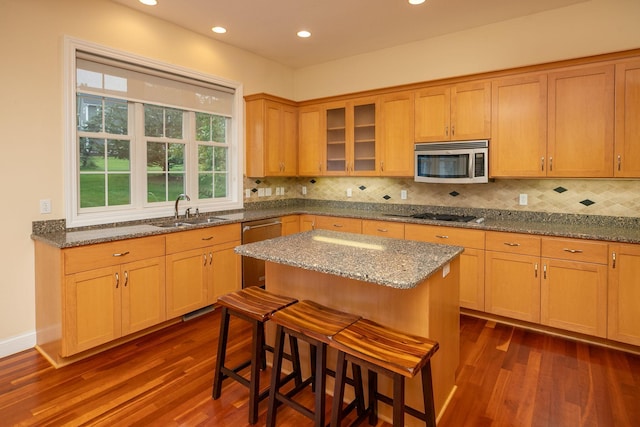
x=411, y=286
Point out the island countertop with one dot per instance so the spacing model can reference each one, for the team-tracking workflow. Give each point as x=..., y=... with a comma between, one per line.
x=396, y=263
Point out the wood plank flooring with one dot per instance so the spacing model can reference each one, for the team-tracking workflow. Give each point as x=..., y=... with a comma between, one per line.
x=507, y=377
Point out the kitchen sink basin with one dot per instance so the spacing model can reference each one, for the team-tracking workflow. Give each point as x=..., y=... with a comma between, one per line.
x=174, y=224
x=198, y=221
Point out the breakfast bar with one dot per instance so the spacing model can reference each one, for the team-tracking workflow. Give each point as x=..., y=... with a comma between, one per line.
x=406, y=285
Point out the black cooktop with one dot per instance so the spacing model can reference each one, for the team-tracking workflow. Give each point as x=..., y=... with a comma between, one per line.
x=438, y=217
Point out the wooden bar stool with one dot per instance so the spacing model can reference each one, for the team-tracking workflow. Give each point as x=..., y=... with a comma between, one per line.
x=388, y=352
x=314, y=324
x=255, y=305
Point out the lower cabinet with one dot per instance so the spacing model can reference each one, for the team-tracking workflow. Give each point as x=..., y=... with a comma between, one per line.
x=290, y=225
x=201, y=265
x=346, y=225
x=624, y=294
x=390, y=229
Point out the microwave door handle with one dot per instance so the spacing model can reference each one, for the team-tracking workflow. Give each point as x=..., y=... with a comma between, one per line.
x=471, y=156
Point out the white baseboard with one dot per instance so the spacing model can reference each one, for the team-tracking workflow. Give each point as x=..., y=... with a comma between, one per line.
x=17, y=344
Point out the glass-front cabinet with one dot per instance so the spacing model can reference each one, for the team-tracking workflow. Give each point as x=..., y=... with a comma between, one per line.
x=351, y=137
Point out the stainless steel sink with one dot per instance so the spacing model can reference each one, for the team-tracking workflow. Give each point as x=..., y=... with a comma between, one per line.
x=174, y=224
x=208, y=220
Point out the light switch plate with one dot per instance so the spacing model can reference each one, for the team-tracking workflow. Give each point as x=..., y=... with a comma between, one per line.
x=524, y=200
x=403, y=194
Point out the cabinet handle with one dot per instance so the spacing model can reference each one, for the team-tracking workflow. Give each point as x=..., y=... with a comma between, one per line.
x=446, y=131
x=319, y=167
x=210, y=258
x=337, y=225
x=440, y=236
x=619, y=162
x=204, y=258
x=613, y=259
x=544, y=271
x=121, y=254
x=207, y=238
x=573, y=251
x=550, y=164
x=542, y=163
x=383, y=230
x=453, y=131
x=117, y=280
x=382, y=166
x=126, y=278
x=511, y=244
x=535, y=270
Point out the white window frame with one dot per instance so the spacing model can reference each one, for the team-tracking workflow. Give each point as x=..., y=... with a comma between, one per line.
x=144, y=210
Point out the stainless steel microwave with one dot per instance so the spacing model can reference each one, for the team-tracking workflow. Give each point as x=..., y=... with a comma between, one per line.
x=456, y=162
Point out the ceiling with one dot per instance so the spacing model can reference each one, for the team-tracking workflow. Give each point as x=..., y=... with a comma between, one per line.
x=340, y=28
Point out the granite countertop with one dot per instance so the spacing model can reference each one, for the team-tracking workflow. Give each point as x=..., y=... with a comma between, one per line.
x=397, y=263
x=613, y=229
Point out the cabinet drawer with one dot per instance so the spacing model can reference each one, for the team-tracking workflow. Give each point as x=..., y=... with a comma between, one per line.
x=575, y=250
x=193, y=239
x=113, y=253
x=383, y=229
x=514, y=243
x=445, y=235
x=347, y=225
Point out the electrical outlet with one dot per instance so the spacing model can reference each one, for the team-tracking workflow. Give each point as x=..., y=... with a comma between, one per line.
x=282, y=191
x=247, y=193
x=304, y=190
x=524, y=200
x=260, y=192
x=267, y=191
x=277, y=191
x=349, y=193
x=45, y=206
x=403, y=194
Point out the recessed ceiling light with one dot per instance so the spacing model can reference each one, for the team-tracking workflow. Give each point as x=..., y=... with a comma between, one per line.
x=416, y=1
x=149, y=2
x=219, y=30
x=304, y=34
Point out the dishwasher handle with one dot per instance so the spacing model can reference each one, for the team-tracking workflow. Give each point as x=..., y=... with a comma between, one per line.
x=252, y=227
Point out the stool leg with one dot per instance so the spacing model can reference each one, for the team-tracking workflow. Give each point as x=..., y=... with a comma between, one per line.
x=262, y=348
x=358, y=389
x=427, y=394
x=257, y=357
x=320, y=383
x=222, y=351
x=338, y=390
x=275, y=376
x=398, y=400
x=295, y=360
x=373, y=398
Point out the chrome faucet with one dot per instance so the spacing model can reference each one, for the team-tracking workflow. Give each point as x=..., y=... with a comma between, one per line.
x=181, y=196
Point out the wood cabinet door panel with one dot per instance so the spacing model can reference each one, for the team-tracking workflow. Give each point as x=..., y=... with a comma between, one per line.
x=346, y=225
x=186, y=281
x=624, y=294
x=91, y=309
x=471, y=111
x=515, y=243
x=432, y=114
x=581, y=122
x=396, y=141
x=518, y=144
x=274, y=133
x=202, y=237
x=311, y=144
x=290, y=225
x=143, y=294
x=512, y=285
x=472, y=279
x=627, y=137
x=575, y=250
x=225, y=271
x=383, y=228
x=445, y=235
x=574, y=296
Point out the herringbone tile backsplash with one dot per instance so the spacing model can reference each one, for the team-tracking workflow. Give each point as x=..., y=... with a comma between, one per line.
x=577, y=196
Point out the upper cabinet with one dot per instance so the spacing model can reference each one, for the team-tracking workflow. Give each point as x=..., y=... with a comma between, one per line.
x=458, y=112
x=351, y=137
x=627, y=137
x=518, y=144
x=581, y=118
x=396, y=135
x=271, y=136
x=311, y=152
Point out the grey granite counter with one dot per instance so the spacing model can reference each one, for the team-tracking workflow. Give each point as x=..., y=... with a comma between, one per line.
x=396, y=263
x=613, y=229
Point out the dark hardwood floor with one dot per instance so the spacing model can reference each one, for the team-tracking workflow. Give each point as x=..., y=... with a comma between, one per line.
x=507, y=377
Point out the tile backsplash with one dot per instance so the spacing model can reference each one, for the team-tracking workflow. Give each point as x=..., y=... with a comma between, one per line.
x=576, y=196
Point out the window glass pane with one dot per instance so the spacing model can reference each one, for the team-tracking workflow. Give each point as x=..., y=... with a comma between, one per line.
x=205, y=158
x=89, y=113
x=92, y=190
x=220, y=159
x=203, y=127
x=173, y=125
x=116, y=116
x=119, y=193
x=219, y=129
x=153, y=121
x=205, y=186
x=91, y=154
x=118, y=155
x=175, y=159
x=156, y=188
x=176, y=185
x=156, y=156
x=220, y=185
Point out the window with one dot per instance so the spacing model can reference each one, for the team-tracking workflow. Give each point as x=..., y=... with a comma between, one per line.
x=141, y=133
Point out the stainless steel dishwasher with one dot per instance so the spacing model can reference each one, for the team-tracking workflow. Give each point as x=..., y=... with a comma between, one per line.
x=255, y=231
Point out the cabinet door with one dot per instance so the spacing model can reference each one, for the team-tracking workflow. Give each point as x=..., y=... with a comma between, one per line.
x=574, y=296
x=472, y=279
x=280, y=139
x=289, y=142
x=519, y=127
x=394, y=230
x=307, y=222
x=336, y=139
x=186, y=281
x=143, y=296
x=290, y=225
x=225, y=271
x=311, y=146
x=347, y=225
x=432, y=114
x=364, y=138
x=471, y=111
x=627, y=138
x=512, y=285
x=624, y=294
x=91, y=309
x=396, y=140
x=581, y=119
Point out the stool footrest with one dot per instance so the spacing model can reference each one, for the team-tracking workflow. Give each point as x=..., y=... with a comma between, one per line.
x=408, y=409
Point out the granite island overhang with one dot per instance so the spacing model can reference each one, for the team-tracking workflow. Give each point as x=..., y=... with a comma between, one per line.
x=408, y=285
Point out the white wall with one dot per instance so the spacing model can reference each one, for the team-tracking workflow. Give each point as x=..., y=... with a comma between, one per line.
x=583, y=29
x=31, y=117
x=31, y=114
